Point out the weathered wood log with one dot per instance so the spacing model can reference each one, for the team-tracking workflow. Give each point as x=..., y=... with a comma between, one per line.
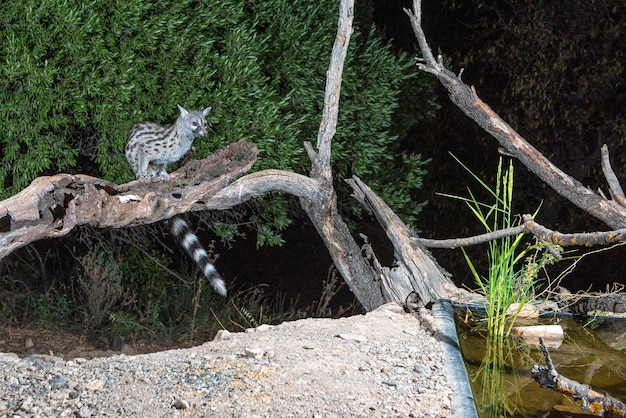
x=51, y=206
x=415, y=268
x=592, y=401
x=590, y=303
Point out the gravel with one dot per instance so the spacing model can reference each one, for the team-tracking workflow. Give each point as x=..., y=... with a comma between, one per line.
x=386, y=363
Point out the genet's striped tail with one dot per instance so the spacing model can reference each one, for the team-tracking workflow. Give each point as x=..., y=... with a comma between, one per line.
x=194, y=249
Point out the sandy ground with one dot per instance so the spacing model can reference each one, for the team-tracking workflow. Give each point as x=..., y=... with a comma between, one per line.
x=387, y=363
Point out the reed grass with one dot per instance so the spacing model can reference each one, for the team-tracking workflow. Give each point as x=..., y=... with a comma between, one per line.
x=513, y=263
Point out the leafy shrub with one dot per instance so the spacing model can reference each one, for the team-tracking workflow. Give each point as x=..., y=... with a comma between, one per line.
x=76, y=77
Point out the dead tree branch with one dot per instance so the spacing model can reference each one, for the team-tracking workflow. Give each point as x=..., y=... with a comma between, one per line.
x=321, y=207
x=415, y=267
x=51, y=206
x=529, y=226
x=614, y=187
x=466, y=99
x=592, y=401
x=469, y=241
x=587, y=239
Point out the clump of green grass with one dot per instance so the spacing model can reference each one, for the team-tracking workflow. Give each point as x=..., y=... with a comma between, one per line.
x=513, y=264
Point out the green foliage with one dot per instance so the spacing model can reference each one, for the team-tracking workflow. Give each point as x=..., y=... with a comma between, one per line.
x=513, y=267
x=52, y=309
x=78, y=76
x=101, y=283
x=147, y=282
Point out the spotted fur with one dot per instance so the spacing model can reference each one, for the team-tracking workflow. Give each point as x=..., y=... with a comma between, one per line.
x=150, y=148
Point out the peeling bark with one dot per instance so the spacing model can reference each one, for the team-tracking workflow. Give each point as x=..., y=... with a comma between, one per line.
x=51, y=206
x=415, y=268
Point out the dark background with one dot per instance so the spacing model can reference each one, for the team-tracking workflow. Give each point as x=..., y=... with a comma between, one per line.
x=553, y=70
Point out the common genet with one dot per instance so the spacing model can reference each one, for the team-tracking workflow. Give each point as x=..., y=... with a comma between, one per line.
x=150, y=148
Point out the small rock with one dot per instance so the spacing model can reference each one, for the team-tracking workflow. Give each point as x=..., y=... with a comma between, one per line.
x=222, y=335
x=85, y=412
x=8, y=357
x=57, y=382
x=181, y=404
x=95, y=385
x=44, y=361
x=258, y=354
x=29, y=343
x=264, y=327
x=420, y=368
x=59, y=395
x=26, y=404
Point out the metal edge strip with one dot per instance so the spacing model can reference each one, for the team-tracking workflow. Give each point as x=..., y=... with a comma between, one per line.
x=463, y=405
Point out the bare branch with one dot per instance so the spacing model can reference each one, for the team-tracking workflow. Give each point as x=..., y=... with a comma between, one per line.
x=322, y=206
x=617, y=193
x=328, y=126
x=415, y=267
x=51, y=206
x=261, y=182
x=468, y=241
x=416, y=23
x=593, y=402
x=468, y=101
x=586, y=239
x=529, y=226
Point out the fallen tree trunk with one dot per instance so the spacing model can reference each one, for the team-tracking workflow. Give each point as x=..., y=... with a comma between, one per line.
x=51, y=206
x=415, y=268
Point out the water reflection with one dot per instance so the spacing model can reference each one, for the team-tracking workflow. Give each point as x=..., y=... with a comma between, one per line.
x=499, y=368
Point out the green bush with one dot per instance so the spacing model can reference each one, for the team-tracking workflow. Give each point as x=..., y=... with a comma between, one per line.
x=76, y=77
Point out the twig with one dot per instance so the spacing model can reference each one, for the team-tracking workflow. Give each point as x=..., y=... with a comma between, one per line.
x=469, y=241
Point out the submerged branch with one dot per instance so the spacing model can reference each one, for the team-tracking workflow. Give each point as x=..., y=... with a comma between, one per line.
x=592, y=402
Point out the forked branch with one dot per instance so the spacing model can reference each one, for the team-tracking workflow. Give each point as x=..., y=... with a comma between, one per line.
x=593, y=402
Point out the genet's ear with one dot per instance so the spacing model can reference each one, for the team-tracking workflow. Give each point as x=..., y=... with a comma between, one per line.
x=184, y=112
x=206, y=111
